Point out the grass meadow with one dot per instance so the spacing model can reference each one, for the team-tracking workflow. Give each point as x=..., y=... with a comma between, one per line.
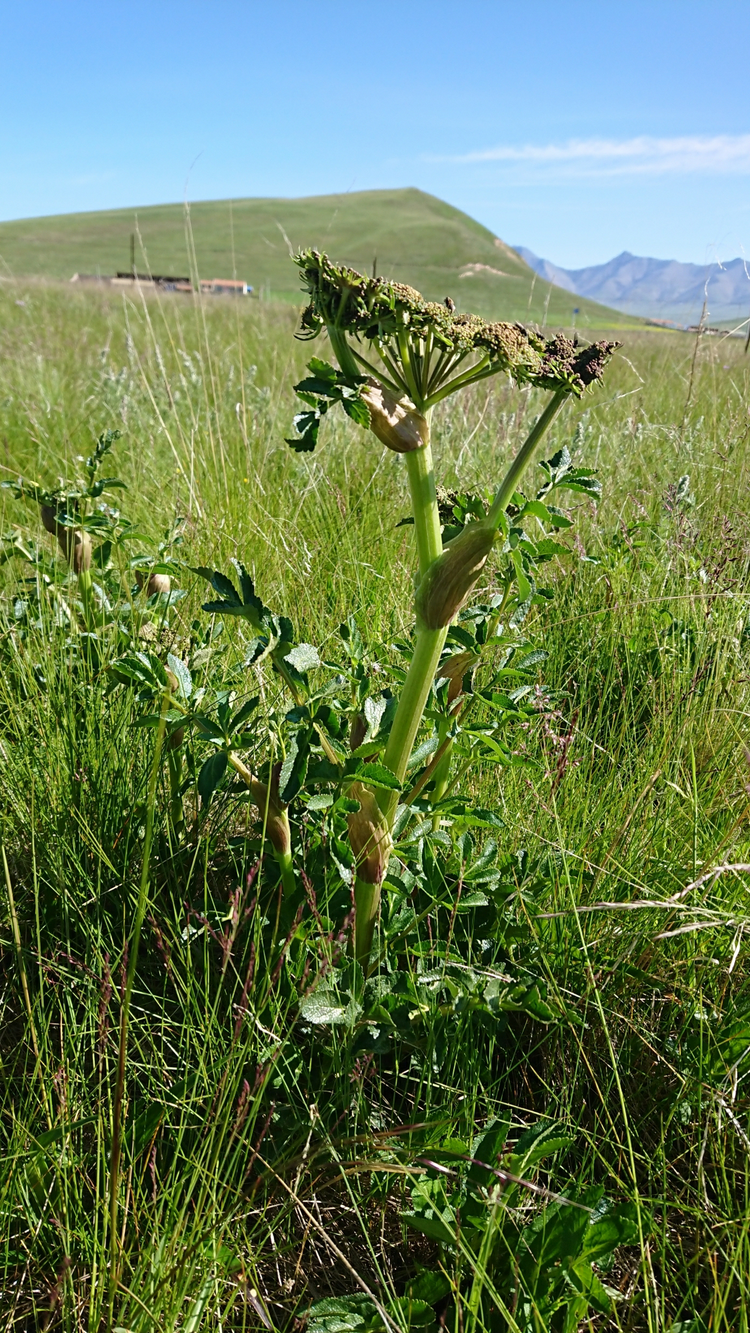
x=269, y=1153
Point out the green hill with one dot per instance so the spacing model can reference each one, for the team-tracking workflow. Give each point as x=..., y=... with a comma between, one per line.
x=404, y=233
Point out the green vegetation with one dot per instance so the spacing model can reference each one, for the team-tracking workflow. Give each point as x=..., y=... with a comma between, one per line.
x=406, y=234
x=533, y=1114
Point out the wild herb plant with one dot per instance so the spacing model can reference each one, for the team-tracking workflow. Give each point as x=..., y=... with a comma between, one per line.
x=398, y=356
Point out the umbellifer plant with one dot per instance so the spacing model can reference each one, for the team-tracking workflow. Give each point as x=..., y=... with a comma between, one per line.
x=398, y=356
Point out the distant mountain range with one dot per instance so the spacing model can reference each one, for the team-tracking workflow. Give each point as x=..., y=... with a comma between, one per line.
x=656, y=288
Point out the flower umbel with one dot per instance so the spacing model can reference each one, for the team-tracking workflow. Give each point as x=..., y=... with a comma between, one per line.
x=426, y=350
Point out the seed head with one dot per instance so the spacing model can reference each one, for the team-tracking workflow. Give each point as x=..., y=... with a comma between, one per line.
x=375, y=309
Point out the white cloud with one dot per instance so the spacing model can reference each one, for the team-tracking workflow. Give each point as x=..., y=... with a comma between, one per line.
x=729, y=153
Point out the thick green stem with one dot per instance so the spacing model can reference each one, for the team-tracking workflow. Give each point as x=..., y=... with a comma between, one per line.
x=86, y=594
x=286, y=868
x=508, y=485
x=366, y=904
x=414, y=695
x=421, y=474
x=343, y=351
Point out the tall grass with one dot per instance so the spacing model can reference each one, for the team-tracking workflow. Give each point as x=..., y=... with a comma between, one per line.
x=265, y=1160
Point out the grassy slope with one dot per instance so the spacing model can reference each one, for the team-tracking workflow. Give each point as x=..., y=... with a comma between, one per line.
x=650, y=667
x=410, y=235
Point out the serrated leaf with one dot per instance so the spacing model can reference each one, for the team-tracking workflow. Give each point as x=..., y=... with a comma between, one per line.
x=377, y=775
x=304, y=657
x=322, y=802
x=373, y=711
x=322, y=368
x=533, y=509
x=357, y=410
x=548, y=547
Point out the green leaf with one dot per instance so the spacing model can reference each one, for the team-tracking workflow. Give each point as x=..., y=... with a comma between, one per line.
x=294, y=767
x=344, y=1314
x=377, y=775
x=211, y=773
x=430, y=1287
x=244, y=712
x=304, y=657
x=434, y=1227
x=585, y=1282
x=532, y=659
x=321, y=1008
x=539, y=1141
x=323, y=369
x=478, y=818
x=357, y=410
x=533, y=509
x=181, y=671
x=415, y=1313
x=558, y=519
x=209, y=729
x=307, y=424
x=547, y=548
x=322, y=802
x=524, y=586
x=617, y=1226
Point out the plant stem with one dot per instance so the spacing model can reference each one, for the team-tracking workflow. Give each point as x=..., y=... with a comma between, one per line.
x=366, y=903
x=507, y=486
x=421, y=474
x=443, y=766
x=275, y=822
x=427, y=649
x=176, y=813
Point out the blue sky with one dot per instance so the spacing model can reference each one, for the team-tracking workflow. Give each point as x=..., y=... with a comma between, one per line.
x=576, y=129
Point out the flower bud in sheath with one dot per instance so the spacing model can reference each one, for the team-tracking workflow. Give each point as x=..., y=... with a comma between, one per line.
x=447, y=585
x=74, y=544
x=273, y=812
x=368, y=835
x=453, y=669
x=153, y=582
x=395, y=421
x=178, y=736
x=357, y=732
